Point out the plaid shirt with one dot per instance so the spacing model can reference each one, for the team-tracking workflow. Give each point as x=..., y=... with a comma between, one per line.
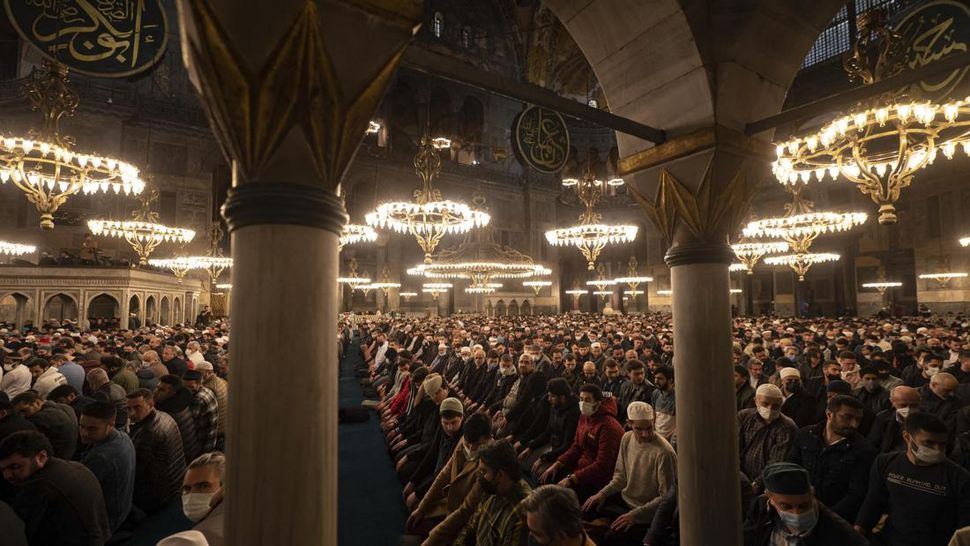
x=205, y=413
x=499, y=520
x=762, y=443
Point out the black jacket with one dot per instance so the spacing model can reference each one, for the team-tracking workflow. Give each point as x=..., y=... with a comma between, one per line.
x=840, y=472
x=560, y=430
x=178, y=407
x=62, y=504
x=59, y=423
x=13, y=422
x=831, y=530
x=159, y=461
x=886, y=433
x=532, y=388
x=801, y=407
x=945, y=409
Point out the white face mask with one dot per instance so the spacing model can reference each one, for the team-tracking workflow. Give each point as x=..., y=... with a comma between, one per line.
x=768, y=414
x=469, y=454
x=196, y=506
x=932, y=370
x=510, y=371
x=587, y=408
x=927, y=455
x=903, y=412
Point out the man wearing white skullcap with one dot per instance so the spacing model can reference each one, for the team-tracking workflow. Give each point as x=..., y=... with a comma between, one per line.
x=764, y=434
x=645, y=471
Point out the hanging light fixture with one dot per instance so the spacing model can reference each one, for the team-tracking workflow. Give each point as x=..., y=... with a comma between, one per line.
x=738, y=266
x=428, y=217
x=633, y=279
x=750, y=253
x=407, y=295
x=965, y=241
x=486, y=288
x=943, y=278
x=16, y=249
x=800, y=227
x=143, y=232
x=44, y=164
x=216, y=262
x=881, y=143
x=537, y=286
x=352, y=234
x=882, y=286
x=479, y=258
x=436, y=288
x=591, y=235
x=665, y=292
x=802, y=262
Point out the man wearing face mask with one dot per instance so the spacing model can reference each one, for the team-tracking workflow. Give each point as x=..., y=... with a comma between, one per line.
x=590, y=460
x=503, y=384
x=202, y=495
x=454, y=494
x=925, y=495
x=931, y=365
x=886, y=434
x=16, y=378
x=939, y=399
x=850, y=368
x=764, y=433
x=498, y=518
x=789, y=515
x=836, y=456
x=645, y=471
x=799, y=405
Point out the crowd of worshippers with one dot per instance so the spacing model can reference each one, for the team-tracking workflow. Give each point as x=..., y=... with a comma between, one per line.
x=850, y=431
x=101, y=430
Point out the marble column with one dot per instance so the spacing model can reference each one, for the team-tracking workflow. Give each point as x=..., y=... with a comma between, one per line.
x=707, y=445
x=289, y=87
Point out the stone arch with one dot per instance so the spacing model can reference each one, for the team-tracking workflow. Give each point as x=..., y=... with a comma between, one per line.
x=177, y=310
x=501, y=309
x=513, y=307
x=526, y=307
x=14, y=308
x=489, y=309
x=151, y=310
x=134, y=304
x=104, y=309
x=60, y=306
x=164, y=311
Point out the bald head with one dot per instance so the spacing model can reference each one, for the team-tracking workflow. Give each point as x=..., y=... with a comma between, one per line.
x=904, y=397
x=943, y=384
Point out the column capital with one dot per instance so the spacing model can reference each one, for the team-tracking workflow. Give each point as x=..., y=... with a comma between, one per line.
x=255, y=203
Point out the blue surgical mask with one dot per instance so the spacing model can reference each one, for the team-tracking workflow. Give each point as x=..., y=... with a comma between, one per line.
x=799, y=524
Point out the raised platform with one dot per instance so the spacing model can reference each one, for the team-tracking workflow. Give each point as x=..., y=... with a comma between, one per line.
x=39, y=293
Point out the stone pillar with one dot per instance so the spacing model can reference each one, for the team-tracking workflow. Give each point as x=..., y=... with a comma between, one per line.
x=289, y=87
x=707, y=444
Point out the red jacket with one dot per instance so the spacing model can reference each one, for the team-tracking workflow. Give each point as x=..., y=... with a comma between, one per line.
x=595, y=447
x=399, y=404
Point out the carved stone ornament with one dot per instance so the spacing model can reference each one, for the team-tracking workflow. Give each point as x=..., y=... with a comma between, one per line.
x=253, y=108
x=708, y=214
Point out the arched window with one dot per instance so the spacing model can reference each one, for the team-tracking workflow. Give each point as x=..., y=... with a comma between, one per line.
x=466, y=37
x=438, y=24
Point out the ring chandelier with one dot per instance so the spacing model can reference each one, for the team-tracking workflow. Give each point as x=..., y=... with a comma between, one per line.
x=44, y=166
x=882, y=286
x=591, y=235
x=880, y=144
x=802, y=262
x=352, y=234
x=486, y=288
x=143, y=232
x=428, y=217
x=16, y=249
x=750, y=253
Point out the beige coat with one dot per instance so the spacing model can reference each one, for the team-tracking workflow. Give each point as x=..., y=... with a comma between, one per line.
x=454, y=493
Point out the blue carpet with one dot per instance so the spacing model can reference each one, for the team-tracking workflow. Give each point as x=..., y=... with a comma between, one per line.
x=371, y=512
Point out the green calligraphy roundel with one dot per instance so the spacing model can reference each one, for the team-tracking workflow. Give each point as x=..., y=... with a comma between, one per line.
x=541, y=139
x=935, y=30
x=104, y=38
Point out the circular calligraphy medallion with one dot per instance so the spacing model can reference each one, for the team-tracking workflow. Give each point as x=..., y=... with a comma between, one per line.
x=113, y=39
x=541, y=139
x=935, y=30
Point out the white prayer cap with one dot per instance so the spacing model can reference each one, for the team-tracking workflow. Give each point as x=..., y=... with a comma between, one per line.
x=185, y=538
x=785, y=373
x=639, y=411
x=769, y=391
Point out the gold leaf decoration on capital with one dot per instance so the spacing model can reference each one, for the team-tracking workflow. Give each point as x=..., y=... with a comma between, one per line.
x=252, y=111
x=706, y=213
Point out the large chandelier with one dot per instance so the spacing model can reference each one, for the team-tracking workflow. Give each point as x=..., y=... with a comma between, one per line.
x=944, y=278
x=750, y=253
x=591, y=235
x=480, y=259
x=16, y=249
x=213, y=264
x=44, y=165
x=485, y=288
x=537, y=286
x=428, y=217
x=352, y=234
x=802, y=262
x=143, y=232
x=633, y=280
x=436, y=289
x=179, y=266
x=882, y=286
x=880, y=144
x=799, y=227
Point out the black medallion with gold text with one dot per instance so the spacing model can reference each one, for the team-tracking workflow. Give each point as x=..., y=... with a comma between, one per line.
x=541, y=139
